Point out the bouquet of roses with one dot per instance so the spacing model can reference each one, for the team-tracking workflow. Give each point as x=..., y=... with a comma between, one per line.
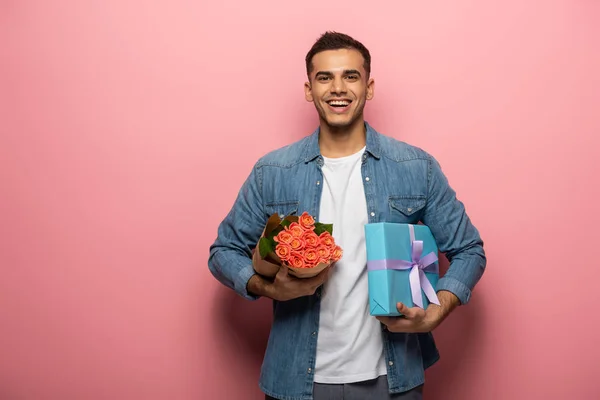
x=306, y=247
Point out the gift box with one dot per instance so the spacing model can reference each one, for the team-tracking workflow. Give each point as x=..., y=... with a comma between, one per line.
x=402, y=265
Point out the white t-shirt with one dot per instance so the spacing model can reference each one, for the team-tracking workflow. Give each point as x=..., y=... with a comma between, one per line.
x=350, y=344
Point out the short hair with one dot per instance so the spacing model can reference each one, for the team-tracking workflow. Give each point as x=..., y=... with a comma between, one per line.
x=335, y=41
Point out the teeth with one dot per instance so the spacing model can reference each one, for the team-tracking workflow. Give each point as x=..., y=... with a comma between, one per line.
x=339, y=103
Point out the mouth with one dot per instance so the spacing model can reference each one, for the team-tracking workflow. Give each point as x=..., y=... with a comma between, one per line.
x=339, y=105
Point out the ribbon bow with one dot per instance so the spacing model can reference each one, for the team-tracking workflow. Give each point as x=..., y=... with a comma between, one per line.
x=417, y=266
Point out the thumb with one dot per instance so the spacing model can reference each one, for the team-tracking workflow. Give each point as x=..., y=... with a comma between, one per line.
x=283, y=271
x=404, y=310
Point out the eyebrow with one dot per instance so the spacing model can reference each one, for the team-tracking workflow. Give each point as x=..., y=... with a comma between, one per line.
x=346, y=72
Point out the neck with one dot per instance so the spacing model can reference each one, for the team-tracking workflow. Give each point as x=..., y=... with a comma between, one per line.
x=340, y=142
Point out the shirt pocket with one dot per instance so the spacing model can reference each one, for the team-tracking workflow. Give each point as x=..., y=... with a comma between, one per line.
x=406, y=209
x=283, y=208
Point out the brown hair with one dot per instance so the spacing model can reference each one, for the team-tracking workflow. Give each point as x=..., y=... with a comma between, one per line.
x=335, y=41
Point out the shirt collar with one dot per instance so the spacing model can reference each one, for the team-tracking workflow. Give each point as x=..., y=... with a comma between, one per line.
x=312, y=150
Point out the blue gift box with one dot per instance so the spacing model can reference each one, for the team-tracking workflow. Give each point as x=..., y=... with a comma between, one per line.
x=400, y=256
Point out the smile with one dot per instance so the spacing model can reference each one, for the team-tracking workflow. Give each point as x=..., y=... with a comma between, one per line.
x=339, y=106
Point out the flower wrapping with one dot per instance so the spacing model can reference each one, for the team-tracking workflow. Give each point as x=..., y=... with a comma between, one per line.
x=402, y=265
x=305, y=246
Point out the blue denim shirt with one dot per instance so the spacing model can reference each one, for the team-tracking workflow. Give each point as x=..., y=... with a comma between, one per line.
x=402, y=184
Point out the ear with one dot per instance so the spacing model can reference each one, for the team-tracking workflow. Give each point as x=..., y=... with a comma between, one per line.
x=370, y=88
x=308, y=92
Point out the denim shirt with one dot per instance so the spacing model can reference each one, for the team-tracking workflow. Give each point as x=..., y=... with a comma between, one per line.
x=402, y=184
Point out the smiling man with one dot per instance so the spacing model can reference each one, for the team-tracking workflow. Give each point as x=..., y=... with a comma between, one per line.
x=324, y=344
x=339, y=86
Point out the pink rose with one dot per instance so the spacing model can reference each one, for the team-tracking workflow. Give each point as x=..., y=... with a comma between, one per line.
x=311, y=239
x=283, y=251
x=284, y=237
x=337, y=253
x=311, y=257
x=306, y=221
x=324, y=253
x=297, y=244
x=296, y=260
x=295, y=229
x=327, y=239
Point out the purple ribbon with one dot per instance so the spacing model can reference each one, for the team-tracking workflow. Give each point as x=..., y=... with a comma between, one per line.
x=418, y=265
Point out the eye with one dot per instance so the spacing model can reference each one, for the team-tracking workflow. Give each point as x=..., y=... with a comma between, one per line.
x=323, y=78
x=352, y=77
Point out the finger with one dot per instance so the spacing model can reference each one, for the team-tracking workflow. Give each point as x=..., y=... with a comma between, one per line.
x=395, y=324
x=414, y=313
x=385, y=320
x=321, y=277
x=313, y=283
x=283, y=271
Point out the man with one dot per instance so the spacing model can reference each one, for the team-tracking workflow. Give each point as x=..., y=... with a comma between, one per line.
x=323, y=343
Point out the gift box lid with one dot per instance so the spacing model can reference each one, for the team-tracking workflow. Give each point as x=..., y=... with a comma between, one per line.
x=392, y=241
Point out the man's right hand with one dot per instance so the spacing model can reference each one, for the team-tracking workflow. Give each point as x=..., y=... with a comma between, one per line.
x=287, y=287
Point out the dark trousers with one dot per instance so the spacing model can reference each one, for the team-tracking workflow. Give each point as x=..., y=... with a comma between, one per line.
x=376, y=389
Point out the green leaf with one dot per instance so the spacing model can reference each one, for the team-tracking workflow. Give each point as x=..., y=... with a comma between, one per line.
x=265, y=246
x=287, y=221
x=320, y=228
x=292, y=218
x=274, y=233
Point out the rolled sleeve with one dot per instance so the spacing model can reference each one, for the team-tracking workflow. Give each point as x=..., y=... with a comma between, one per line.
x=230, y=259
x=241, y=282
x=456, y=287
x=455, y=235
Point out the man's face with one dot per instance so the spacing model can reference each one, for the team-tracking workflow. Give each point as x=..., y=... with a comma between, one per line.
x=339, y=86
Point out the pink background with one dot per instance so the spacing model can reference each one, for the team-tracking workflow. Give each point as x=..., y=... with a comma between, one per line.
x=127, y=128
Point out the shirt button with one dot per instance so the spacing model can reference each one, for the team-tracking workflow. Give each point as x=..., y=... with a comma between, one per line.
x=372, y=214
x=391, y=363
x=309, y=370
x=314, y=333
x=409, y=209
x=367, y=179
x=318, y=183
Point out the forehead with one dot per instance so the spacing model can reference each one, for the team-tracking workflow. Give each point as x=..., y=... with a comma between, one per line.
x=338, y=61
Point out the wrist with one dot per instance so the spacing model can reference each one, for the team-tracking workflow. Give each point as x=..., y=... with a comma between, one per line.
x=448, y=302
x=258, y=286
x=437, y=314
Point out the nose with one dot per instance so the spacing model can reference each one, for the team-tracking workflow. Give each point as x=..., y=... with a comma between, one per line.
x=338, y=86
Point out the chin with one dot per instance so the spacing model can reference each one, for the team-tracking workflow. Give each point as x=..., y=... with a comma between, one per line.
x=340, y=122
x=338, y=125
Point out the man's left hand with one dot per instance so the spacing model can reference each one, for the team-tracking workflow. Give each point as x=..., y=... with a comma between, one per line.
x=418, y=320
